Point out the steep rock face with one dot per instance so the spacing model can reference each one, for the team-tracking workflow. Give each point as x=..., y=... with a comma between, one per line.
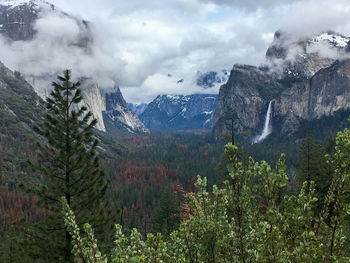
x=118, y=117
x=94, y=101
x=18, y=20
x=178, y=112
x=137, y=108
x=245, y=96
x=305, y=87
x=325, y=93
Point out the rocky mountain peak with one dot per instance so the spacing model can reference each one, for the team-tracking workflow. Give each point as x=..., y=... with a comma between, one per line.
x=118, y=117
x=306, y=79
x=115, y=97
x=301, y=57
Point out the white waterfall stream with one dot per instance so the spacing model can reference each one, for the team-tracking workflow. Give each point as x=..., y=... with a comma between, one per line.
x=267, y=126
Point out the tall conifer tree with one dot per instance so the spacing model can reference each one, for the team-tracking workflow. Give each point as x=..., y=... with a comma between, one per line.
x=68, y=167
x=313, y=166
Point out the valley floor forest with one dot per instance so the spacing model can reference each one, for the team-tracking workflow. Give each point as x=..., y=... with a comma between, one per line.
x=69, y=193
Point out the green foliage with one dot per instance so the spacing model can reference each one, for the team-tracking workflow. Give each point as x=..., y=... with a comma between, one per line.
x=84, y=248
x=315, y=166
x=247, y=220
x=166, y=217
x=68, y=166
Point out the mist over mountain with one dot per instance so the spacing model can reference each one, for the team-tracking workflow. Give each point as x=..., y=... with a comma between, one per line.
x=305, y=79
x=41, y=41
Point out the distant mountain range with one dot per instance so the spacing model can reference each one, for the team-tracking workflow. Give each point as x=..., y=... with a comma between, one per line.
x=17, y=23
x=304, y=79
x=178, y=112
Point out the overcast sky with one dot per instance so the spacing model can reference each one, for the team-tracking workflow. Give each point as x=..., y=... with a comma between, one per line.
x=140, y=42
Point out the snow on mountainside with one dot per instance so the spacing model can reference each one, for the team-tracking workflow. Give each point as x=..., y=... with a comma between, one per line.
x=292, y=57
x=15, y=3
x=334, y=39
x=179, y=112
x=18, y=17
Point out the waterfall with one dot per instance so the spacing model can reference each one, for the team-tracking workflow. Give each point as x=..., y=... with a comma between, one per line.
x=267, y=126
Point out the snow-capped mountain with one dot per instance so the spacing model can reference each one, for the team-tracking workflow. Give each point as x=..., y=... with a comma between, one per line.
x=298, y=58
x=179, y=112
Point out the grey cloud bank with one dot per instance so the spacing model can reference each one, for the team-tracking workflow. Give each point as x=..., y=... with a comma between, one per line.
x=138, y=43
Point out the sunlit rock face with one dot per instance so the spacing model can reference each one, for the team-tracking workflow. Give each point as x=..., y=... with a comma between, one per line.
x=94, y=101
x=305, y=78
x=117, y=115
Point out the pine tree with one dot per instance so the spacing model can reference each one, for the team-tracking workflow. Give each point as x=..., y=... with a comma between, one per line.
x=166, y=217
x=68, y=167
x=313, y=166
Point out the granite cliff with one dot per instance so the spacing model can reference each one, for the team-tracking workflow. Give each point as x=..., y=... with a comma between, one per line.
x=304, y=78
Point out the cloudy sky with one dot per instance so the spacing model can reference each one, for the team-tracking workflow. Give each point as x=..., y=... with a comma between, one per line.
x=138, y=43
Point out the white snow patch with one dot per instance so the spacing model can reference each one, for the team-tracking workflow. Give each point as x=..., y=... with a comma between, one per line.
x=332, y=39
x=173, y=97
x=15, y=3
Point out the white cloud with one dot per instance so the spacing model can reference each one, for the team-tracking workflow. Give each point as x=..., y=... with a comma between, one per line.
x=138, y=43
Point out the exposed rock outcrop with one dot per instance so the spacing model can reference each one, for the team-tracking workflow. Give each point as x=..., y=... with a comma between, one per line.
x=94, y=101
x=302, y=82
x=118, y=117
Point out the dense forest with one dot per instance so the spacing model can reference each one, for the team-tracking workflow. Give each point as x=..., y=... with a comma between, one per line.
x=69, y=193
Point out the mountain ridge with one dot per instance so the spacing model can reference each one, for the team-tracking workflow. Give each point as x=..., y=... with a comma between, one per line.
x=180, y=112
x=303, y=83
